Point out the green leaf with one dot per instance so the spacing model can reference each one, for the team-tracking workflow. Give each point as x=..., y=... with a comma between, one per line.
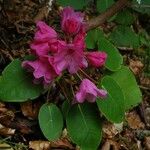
x=16, y=84
x=114, y=59
x=113, y=106
x=73, y=3
x=92, y=38
x=126, y=80
x=96, y=37
x=102, y=5
x=65, y=108
x=84, y=126
x=124, y=17
x=125, y=36
x=50, y=121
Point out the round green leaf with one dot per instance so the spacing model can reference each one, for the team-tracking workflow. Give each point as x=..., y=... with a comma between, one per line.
x=84, y=126
x=73, y=3
x=126, y=80
x=114, y=58
x=65, y=108
x=102, y=5
x=50, y=121
x=96, y=37
x=16, y=84
x=92, y=38
x=125, y=36
x=113, y=106
x=124, y=17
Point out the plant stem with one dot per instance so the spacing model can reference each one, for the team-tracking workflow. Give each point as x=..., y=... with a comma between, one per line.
x=102, y=18
x=87, y=76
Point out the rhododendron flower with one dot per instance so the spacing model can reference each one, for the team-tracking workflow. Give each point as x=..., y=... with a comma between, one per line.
x=42, y=69
x=72, y=22
x=71, y=56
x=44, y=32
x=88, y=91
x=96, y=59
x=54, y=45
x=44, y=36
x=39, y=48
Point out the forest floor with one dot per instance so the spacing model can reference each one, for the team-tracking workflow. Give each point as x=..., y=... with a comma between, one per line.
x=18, y=122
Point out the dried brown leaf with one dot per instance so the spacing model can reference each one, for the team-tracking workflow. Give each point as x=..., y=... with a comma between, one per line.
x=136, y=66
x=6, y=131
x=6, y=115
x=40, y=145
x=145, y=81
x=134, y=120
x=2, y=108
x=110, y=130
x=43, y=13
x=62, y=143
x=110, y=144
x=30, y=109
x=147, y=142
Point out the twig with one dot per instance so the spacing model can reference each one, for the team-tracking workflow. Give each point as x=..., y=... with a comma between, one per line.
x=125, y=48
x=87, y=76
x=95, y=22
x=7, y=54
x=62, y=89
x=144, y=87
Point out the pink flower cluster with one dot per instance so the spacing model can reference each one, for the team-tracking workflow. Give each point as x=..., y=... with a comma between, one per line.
x=54, y=55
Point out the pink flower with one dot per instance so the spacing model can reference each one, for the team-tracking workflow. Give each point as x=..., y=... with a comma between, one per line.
x=44, y=32
x=54, y=45
x=43, y=36
x=88, y=91
x=72, y=22
x=42, y=69
x=70, y=56
x=96, y=59
x=39, y=48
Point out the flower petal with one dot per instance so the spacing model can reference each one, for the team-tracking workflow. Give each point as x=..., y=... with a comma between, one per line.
x=72, y=22
x=96, y=59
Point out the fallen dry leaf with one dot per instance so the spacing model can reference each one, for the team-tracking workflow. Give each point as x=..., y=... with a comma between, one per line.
x=46, y=145
x=40, y=145
x=110, y=144
x=43, y=13
x=110, y=130
x=2, y=107
x=30, y=109
x=136, y=66
x=6, y=115
x=147, y=116
x=6, y=131
x=147, y=142
x=139, y=145
x=62, y=143
x=134, y=120
x=145, y=81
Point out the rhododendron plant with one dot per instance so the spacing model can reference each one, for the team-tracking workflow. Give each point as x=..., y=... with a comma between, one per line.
x=77, y=86
x=59, y=54
x=56, y=55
